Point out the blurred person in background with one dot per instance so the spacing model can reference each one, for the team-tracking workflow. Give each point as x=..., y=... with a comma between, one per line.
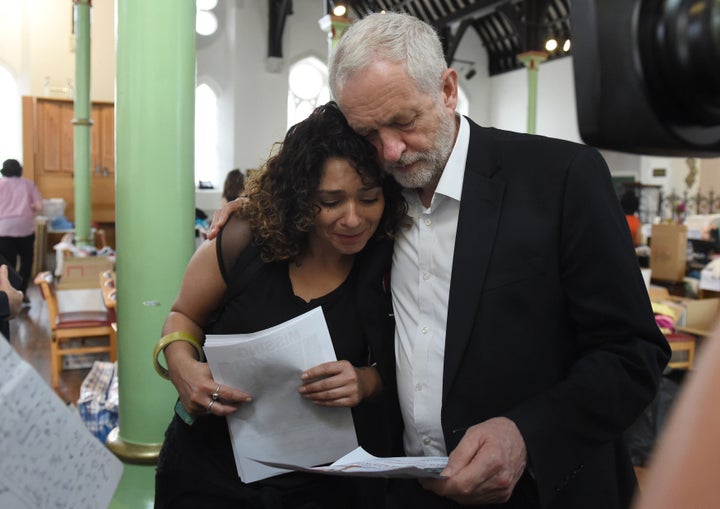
x=233, y=187
x=20, y=200
x=630, y=205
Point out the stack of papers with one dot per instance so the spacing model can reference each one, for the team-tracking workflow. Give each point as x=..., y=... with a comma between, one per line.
x=279, y=425
x=360, y=463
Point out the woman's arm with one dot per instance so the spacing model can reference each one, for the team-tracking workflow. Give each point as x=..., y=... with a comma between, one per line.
x=37, y=202
x=200, y=294
x=10, y=298
x=638, y=239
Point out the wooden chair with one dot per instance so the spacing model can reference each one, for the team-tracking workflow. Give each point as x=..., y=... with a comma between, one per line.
x=79, y=326
x=109, y=293
x=681, y=343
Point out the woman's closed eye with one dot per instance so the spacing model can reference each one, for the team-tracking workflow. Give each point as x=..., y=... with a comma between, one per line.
x=366, y=201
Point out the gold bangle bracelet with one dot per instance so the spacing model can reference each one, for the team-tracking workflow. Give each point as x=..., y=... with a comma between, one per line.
x=171, y=338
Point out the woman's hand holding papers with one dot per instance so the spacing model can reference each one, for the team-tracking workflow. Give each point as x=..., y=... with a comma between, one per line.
x=196, y=386
x=339, y=383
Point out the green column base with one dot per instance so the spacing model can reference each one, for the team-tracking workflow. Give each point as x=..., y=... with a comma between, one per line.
x=136, y=489
x=138, y=454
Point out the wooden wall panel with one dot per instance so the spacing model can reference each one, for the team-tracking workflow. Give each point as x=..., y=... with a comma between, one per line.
x=55, y=135
x=48, y=134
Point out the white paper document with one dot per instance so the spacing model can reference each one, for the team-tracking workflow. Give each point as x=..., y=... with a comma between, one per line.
x=279, y=424
x=48, y=458
x=360, y=463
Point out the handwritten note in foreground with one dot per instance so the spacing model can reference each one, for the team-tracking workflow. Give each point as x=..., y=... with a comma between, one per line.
x=48, y=458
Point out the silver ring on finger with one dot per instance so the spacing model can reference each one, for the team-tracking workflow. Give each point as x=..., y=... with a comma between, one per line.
x=209, y=407
x=216, y=395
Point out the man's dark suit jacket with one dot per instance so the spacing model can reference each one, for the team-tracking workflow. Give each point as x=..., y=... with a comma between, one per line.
x=549, y=321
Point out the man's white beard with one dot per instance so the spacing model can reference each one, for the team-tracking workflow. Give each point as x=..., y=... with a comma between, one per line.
x=429, y=163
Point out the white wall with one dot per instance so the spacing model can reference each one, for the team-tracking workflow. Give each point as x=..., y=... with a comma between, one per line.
x=677, y=171
x=215, y=66
x=476, y=88
x=36, y=42
x=253, y=100
x=556, y=114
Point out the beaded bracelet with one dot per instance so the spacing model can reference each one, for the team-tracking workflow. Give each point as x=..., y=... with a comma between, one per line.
x=171, y=338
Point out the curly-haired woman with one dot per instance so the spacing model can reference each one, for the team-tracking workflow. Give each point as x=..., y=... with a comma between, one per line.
x=320, y=216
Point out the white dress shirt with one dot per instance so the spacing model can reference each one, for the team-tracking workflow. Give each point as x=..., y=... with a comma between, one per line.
x=421, y=269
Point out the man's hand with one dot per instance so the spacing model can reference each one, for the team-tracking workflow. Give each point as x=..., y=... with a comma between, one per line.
x=221, y=216
x=486, y=465
x=15, y=297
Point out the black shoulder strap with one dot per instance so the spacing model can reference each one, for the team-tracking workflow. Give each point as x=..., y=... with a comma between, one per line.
x=239, y=259
x=242, y=272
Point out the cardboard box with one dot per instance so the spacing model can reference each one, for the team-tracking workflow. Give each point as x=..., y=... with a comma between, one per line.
x=700, y=316
x=668, y=252
x=709, y=281
x=83, y=272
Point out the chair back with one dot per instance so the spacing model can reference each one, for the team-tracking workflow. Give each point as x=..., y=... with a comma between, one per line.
x=70, y=330
x=685, y=345
x=46, y=282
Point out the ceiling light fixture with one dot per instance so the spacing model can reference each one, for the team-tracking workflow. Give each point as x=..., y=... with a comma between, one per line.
x=337, y=9
x=566, y=45
x=551, y=45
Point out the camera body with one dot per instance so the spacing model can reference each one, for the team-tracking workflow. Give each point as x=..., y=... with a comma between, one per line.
x=647, y=75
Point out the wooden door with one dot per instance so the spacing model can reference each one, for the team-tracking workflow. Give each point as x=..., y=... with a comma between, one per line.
x=48, y=153
x=53, y=158
x=103, y=163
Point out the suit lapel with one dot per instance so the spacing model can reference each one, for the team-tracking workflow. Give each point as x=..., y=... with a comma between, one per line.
x=479, y=215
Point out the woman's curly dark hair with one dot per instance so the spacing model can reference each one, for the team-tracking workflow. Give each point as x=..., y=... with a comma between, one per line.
x=280, y=207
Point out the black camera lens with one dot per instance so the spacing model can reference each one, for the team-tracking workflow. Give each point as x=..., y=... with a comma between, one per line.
x=678, y=43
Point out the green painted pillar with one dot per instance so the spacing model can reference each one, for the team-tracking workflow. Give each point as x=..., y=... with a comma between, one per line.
x=155, y=197
x=532, y=61
x=82, y=122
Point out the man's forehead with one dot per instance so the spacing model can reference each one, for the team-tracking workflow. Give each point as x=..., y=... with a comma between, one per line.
x=369, y=115
x=366, y=126
x=375, y=92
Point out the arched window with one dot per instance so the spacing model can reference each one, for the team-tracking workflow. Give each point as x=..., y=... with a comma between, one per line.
x=10, y=127
x=206, y=133
x=307, y=88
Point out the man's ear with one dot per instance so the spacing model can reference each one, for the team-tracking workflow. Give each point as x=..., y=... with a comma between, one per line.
x=450, y=88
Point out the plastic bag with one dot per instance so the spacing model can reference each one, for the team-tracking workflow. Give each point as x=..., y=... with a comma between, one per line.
x=98, y=402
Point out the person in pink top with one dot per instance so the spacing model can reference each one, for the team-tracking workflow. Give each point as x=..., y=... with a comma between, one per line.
x=20, y=200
